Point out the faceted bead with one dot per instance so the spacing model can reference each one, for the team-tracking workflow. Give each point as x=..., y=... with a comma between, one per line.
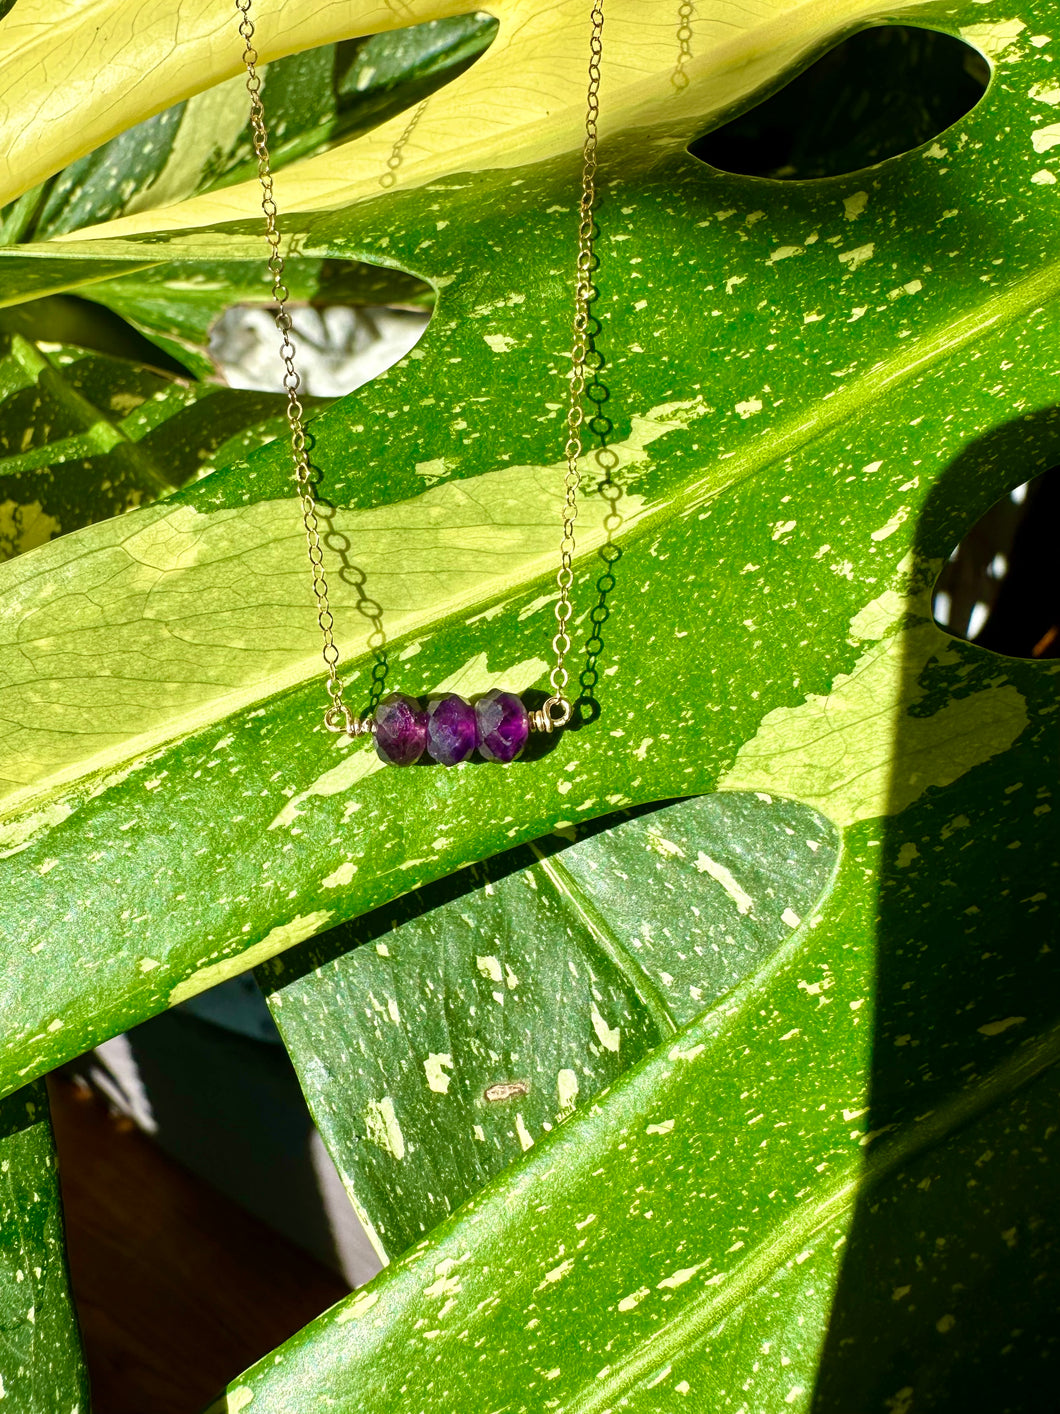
x=400, y=730
x=451, y=731
x=503, y=726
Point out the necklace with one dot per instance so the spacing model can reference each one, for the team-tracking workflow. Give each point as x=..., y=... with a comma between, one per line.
x=449, y=728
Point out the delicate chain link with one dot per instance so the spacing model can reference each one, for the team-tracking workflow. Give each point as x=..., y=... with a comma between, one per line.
x=397, y=152
x=558, y=709
x=685, y=13
x=584, y=292
x=338, y=714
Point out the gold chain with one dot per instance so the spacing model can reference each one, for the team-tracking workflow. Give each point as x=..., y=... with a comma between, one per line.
x=685, y=14
x=584, y=292
x=338, y=714
x=397, y=152
x=338, y=717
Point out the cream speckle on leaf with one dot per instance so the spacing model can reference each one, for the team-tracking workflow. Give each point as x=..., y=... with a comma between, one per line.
x=434, y=1067
x=382, y=1127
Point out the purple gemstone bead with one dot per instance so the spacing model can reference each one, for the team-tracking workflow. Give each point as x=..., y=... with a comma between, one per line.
x=503, y=726
x=400, y=730
x=451, y=731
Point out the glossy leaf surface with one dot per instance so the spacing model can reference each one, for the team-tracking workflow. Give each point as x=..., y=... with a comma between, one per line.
x=442, y=1036
x=85, y=437
x=778, y=1207
x=313, y=100
x=811, y=391
x=699, y=475
x=41, y=1369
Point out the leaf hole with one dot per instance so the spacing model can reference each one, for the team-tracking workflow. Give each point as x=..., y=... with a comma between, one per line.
x=340, y=346
x=882, y=92
x=1000, y=587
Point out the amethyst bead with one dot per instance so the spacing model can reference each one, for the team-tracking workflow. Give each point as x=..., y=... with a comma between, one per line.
x=400, y=730
x=503, y=726
x=451, y=731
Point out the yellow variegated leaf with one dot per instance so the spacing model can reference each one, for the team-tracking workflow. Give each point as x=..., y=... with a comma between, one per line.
x=523, y=102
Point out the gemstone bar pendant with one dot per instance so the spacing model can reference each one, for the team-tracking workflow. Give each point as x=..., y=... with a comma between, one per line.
x=449, y=728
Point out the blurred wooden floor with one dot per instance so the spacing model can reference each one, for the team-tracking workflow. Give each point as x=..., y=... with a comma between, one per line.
x=178, y=1290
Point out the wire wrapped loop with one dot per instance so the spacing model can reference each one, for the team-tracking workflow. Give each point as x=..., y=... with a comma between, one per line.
x=339, y=719
x=554, y=713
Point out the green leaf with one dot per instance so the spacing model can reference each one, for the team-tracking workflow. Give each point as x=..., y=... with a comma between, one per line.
x=85, y=437
x=313, y=99
x=106, y=182
x=41, y=1368
x=336, y=92
x=69, y=319
x=744, y=486
x=678, y=1244
x=810, y=391
x=32, y=274
x=491, y=1005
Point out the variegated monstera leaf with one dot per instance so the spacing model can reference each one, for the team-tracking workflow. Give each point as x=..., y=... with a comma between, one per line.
x=739, y=1104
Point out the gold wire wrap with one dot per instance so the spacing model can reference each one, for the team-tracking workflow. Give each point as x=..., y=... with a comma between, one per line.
x=339, y=718
x=556, y=712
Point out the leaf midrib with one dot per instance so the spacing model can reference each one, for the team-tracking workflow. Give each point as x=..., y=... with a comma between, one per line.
x=795, y=431
x=714, y=1304
x=782, y=439
x=608, y=941
x=100, y=434
x=799, y=430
